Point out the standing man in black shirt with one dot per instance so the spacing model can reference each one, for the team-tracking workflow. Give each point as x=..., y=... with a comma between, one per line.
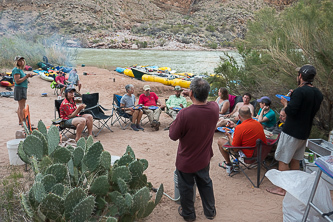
x=304, y=103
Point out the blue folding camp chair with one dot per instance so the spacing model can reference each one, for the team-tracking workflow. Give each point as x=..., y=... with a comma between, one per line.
x=118, y=115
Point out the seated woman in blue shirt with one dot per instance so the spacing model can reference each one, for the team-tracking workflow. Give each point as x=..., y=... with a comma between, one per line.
x=266, y=116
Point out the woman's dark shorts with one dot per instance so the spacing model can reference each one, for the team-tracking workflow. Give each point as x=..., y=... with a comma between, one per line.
x=68, y=123
x=20, y=93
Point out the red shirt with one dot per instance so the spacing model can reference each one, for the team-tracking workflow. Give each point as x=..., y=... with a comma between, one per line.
x=60, y=79
x=66, y=109
x=195, y=128
x=247, y=133
x=148, y=100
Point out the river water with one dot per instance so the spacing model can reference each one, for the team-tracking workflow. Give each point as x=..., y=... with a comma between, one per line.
x=196, y=62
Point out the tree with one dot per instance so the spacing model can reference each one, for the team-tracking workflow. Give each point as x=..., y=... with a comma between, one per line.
x=279, y=42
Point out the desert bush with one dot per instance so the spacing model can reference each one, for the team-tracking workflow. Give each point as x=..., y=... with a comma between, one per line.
x=278, y=42
x=33, y=48
x=210, y=28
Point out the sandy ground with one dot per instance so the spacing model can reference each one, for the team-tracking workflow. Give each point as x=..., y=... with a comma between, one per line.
x=236, y=199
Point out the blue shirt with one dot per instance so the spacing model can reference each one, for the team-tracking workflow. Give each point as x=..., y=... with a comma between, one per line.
x=22, y=74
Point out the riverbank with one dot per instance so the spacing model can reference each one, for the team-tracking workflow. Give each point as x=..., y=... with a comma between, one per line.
x=155, y=146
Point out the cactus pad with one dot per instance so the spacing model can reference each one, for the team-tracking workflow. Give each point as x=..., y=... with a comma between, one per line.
x=33, y=146
x=92, y=157
x=100, y=203
x=42, y=128
x=113, y=196
x=70, y=166
x=136, y=168
x=53, y=138
x=78, y=154
x=81, y=143
x=83, y=210
x=105, y=160
x=140, y=199
x=45, y=163
x=89, y=142
x=39, y=191
x=58, y=170
x=26, y=205
x=122, y=185
x=159, y=194
x=61, y=155
x=128, y=200
x=111, y=219
x=144, y=163
x=23, y=156
x=130, y=152
x=58, y=189
x=137, y=183
x=125, y=160
x=48, y=182
x=74, y=197
x=100, y=186
x=144, y=212
x=120, y=203
x=52, y=206
x=121, y=172
x=43, y=139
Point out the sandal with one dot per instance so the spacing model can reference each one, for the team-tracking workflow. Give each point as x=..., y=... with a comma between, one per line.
x=223, y=165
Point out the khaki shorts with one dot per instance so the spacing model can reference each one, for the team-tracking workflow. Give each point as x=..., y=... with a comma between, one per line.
x=289, y=148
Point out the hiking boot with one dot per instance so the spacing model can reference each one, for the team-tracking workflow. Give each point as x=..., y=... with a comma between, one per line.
x=139, y=127
x=153, y=124
x=133, y=126
x=157, y=127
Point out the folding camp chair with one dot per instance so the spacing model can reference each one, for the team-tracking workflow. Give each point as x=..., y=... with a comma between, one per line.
x=123, y=119
x=27, y=121
x=97, y=111
x=261, y=150
x=60, y=123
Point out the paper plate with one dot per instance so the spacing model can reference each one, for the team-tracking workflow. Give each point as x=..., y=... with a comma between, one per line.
x=280, y=96
x=152, y=107
x=222, y=129
x=176, y=108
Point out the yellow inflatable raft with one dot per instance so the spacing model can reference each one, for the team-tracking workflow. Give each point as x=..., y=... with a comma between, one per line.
x=128, y=72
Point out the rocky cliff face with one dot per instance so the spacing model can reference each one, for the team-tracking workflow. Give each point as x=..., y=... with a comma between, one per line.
x=149, y=23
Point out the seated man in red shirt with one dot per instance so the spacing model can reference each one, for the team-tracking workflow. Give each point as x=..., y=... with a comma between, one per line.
x=246, y=134
x=60, y=79
x=148, y=100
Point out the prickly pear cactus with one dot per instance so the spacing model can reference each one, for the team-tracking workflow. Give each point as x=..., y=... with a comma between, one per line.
x=67, y=177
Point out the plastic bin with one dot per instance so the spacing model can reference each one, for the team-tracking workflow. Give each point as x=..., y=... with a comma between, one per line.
x=12, y=147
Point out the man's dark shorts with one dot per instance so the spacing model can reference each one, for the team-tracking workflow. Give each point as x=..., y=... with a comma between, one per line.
x=20, y=93
x=68, y=123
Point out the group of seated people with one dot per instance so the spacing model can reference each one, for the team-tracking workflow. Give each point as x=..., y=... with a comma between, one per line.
x=248, y=126
x=62, y=83
x=150, y=105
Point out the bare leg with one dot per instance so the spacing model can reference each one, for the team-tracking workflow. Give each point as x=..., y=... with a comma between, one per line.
x=80, y=123
x=278, y=190
x=135, y=116
x=79, y=85
x=294, y=164
x=224, y=153
x=139, y=116
x=89, y=123
x=20, y=113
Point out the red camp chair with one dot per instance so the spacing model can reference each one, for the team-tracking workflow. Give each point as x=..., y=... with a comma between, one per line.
x=261, y=150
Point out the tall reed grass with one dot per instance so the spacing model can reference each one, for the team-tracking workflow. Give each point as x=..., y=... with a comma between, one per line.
x=33, y=48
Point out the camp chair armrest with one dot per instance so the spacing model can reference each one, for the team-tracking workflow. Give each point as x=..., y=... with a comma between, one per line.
x=90, y=108
x=239, y=147
x=105, y=109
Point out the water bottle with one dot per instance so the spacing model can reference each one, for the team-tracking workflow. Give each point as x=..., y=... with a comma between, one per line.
x=235, y=165
x=330, y=138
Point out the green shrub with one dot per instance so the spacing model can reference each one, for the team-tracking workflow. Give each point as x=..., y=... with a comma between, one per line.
x=210, y=28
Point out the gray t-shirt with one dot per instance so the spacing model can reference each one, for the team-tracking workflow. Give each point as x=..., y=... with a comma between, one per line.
x=127, y=100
